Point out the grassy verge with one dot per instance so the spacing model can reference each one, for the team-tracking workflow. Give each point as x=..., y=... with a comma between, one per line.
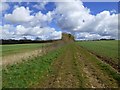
x=29, y=72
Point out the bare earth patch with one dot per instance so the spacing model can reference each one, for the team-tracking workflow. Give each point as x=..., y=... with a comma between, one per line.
x=62, y=74
x=73, y=69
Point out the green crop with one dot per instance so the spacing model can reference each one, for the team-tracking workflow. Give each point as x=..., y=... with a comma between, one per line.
x=28, y=72
x=18, y=48
x=108, y=49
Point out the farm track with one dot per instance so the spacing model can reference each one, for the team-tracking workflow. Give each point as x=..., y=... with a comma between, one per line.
x=75, y=69
x=60, y=75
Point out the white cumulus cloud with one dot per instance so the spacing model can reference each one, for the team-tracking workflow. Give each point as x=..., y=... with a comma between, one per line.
x=40, y=19
x=46, y=33
x=7, y=31
x=75, y=18
x=19, y=14
x=71, y=17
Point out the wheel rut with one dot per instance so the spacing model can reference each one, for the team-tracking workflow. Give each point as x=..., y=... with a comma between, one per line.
x=74, y=69
x=62, y=73
x=96, y=77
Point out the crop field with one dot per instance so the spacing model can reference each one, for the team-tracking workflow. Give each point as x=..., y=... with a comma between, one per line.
x=19, y=48
x=70, y=65
x=107, y=50
x=69, y=44
x=104, y=48
x=18, y=52
x=28, y=72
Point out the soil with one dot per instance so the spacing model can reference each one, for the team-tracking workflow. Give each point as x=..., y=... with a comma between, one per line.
x=108, y=61
x=73, y=70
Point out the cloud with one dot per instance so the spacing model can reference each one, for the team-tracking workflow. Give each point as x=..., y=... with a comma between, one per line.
x=6, y=31
x=72, y=12
x=46, y=33
x=22, y=15
x=89, y=36
x=71, y=17
x=40, y=5
x=31, y=25
x=113, y=11
x=75, y=18
x=4, y=6
x=108, y=24
x=19, y=14
x=40, y=19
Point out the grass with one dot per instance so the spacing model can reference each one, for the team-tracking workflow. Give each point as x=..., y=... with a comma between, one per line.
x=77, y=66
x=108, y=49
x=28, y=72
x=100, y=65
x=18, y=48
x=107, y=69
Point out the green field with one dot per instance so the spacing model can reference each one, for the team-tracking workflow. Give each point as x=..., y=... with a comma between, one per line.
x=28, y=72
x=68, y=66
x=19, y=48
x=108, y=49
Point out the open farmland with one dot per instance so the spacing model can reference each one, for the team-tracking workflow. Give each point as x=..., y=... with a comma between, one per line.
x=17, y=52
x=66, y=66
x=19, y=48
x=28, y=72
x=59, y=44
x=106, y=50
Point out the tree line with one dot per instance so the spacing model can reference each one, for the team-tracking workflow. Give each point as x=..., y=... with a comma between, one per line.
x=11, y=41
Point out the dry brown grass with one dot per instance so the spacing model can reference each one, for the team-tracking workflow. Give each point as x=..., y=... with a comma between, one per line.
x=17, y=58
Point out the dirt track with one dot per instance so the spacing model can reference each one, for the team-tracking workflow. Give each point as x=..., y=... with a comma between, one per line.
x=74, y=69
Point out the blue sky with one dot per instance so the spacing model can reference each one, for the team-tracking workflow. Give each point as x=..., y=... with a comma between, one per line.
x=97, y=7
x=58, y=24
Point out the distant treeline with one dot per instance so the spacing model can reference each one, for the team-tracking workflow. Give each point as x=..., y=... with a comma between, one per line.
x=107, y=39
x=11, y=41
x=98, y=40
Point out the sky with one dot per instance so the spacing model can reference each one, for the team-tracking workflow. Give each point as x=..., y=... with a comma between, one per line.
x=47, y=20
